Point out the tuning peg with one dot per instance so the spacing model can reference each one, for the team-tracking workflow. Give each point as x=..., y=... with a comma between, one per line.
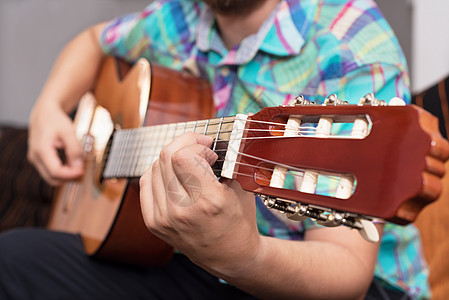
x=367, y=230
x=396, y=101
x=300, y=100
x=333, y=100
x=333, y=219
x=370, y=99
x=300, y=213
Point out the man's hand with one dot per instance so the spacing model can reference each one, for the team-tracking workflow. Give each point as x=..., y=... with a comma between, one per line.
x=72, y=75
x=211, y=222
x=51, y=129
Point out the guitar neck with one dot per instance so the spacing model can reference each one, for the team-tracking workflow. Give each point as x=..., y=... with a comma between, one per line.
x=133, y=151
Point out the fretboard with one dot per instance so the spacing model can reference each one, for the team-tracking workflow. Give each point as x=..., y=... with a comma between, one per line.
x=133, y=151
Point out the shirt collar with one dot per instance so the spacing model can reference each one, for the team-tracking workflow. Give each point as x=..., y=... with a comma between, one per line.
x=282, y=34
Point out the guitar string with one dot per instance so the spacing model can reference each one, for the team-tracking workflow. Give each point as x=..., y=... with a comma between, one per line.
x=154, y=146
x=290, y=168
x=329, y=175
x=295, y=174
x=210, y=124
x=195, y=125
x=302, y=129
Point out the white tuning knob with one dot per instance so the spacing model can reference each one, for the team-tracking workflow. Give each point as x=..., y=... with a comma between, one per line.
x=396, y=101
x=368, y=231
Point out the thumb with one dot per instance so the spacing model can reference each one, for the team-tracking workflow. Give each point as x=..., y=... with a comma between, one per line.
x=74, y=150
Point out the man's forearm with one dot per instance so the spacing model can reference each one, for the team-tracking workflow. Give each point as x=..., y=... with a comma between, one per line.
x=75, y=69
x=306, y=270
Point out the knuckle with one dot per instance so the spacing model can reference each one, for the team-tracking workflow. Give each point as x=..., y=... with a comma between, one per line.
x=165, y=225
x=144, y=178
x=161, y=225
x=180, y=217
x=165, y=154
x=211, y=208
x=180, y=158
x=155, y=167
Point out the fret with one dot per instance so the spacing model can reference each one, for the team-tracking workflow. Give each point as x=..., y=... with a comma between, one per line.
x=131, y=151
x=205, y=127
x=143, y=162
x=117, y=161
x=142, y=158
x=169, y=136
x=126, y=153
x=120, y=142
x=157, y=143
x=200, y=127
x=174, y=132
x=180, y=130
x=162, y=132
x=218, y=134
x=221, y=143
x=226, y=128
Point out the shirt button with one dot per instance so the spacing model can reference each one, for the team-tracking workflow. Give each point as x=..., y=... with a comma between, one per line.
x=225, y=71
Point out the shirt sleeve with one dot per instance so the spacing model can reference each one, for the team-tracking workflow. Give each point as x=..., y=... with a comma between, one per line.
x=124, y=35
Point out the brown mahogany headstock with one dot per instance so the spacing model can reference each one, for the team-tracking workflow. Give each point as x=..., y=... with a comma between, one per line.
x=397, y=167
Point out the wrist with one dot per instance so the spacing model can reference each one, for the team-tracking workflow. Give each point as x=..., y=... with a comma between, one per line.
x=245, y=264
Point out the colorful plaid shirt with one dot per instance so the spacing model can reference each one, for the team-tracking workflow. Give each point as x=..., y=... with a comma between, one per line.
x=309, y=47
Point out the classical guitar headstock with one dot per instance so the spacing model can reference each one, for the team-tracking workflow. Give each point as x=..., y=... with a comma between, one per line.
x=341, y=164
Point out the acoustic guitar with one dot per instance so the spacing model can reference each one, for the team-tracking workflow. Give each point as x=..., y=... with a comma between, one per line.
x=387, y=164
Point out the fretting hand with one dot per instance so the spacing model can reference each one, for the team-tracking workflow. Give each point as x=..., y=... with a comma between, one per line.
x=212, y=222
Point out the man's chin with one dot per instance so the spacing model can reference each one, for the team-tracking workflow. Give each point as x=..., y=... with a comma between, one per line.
x=233, y=7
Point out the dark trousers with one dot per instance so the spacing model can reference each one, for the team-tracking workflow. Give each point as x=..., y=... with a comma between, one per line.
x=39, y=264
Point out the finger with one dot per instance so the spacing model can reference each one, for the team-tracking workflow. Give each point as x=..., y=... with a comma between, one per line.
x=73, y=149
x=182, y=141
x=48, y=165
x=175, y=191
x=44, y=173
x=43, y=153
x=159, y=192
x=192, y=168
x=54, y=167
x=146, y=196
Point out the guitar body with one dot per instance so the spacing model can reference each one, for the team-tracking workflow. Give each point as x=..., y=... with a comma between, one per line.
x=106, y=213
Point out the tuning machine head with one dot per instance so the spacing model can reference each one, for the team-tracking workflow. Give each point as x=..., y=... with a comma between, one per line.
x=325, y=217
x=300, y=100
x=370, y=99
x=333, y=100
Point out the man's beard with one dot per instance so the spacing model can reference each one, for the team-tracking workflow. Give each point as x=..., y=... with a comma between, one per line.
x=233, y=7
